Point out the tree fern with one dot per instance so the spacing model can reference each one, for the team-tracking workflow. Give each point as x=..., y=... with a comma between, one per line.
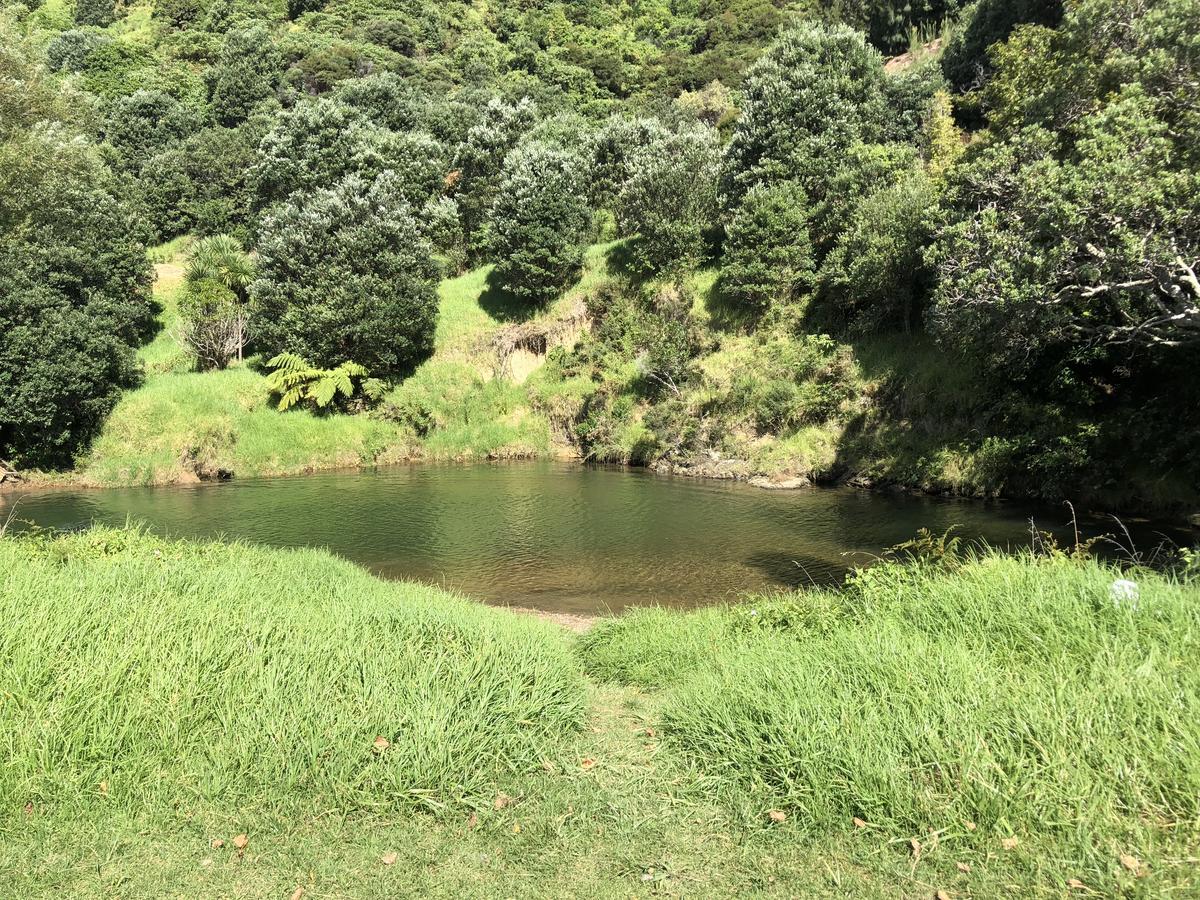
x=294, y=380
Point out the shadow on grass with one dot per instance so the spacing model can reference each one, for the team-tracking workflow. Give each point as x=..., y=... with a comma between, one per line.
x=501, y=305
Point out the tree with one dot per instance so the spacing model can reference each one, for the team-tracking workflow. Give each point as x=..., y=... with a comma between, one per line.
x=611, y=150
x=479, y=161
x=670, y=200
x=345, y=274
x=538, y=223
x=768, y=255
x=875, y=277
x=246, y=74
x=74, y=296
x=1053, y=260
x=816, y=92
x=146, y=123
x=95, y=12
x=317, y=143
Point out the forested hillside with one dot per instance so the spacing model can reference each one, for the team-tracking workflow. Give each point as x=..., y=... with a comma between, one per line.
x=949, y=246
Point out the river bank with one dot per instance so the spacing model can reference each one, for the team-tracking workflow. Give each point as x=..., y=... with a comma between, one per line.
x=256, y=722
x=496, y=389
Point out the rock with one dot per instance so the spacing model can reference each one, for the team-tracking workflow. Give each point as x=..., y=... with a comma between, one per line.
x=783, y=484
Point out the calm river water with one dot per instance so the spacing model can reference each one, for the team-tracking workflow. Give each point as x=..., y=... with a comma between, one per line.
x=559, y=536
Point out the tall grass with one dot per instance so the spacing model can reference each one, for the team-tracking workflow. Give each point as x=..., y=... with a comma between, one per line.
x=155, y=674
x=1012, y=694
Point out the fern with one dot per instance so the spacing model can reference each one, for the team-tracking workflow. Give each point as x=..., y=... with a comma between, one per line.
x=295, y=381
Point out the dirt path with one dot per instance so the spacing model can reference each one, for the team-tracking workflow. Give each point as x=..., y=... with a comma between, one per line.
x=570, y=621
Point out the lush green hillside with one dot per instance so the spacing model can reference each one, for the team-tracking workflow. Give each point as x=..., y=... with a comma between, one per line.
x=212, y=720
x=970, y=267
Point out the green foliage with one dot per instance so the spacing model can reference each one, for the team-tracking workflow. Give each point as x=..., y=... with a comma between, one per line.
x=538, y=223
x=74, y=286
x=95, y=12
x=479, y=161
x=791, y=383
x=245, y=75
x=670, y=200
x=816, y=92
x=345, y=273
x=70, y=50
x=874, y=278
x=146, y=123
x=295, y=381
x=984, y=23
x=768, y=256
x=202, y=185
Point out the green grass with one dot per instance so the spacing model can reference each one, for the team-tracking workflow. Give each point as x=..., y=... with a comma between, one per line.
x=177, y=674
x=1009, y=694
x=159, y=697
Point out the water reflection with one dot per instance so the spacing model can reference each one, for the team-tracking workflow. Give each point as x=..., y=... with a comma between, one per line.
x=558, y=536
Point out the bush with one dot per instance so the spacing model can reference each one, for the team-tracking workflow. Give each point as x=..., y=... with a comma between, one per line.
x=538, y=223
x=670, y=200
x=212, y=323
x=70, y=50
x=768, y=256
x=345, y=273
x=259, y=679
x=74, y=297
x=246, y=74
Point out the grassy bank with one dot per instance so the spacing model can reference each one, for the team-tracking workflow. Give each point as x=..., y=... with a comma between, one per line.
x=995, y=729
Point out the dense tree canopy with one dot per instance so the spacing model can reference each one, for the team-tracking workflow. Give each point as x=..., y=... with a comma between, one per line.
x=345, y=274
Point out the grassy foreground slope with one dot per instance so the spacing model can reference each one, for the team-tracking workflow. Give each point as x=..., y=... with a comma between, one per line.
x=996, y=728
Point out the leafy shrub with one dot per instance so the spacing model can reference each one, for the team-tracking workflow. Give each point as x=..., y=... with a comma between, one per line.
x=768, y=256
x=345, y=273
x=538, y=223
x=70, y=50
x=669, y=200
x=212, y=323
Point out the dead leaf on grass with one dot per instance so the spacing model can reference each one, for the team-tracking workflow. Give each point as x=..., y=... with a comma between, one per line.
x=587, y=763
x=859, y=823
x=297, y=893
x=389, y=858
x=241, y=842
x=776, y=815
x=380, y=744
x=1076, y=885
x=217, y=843
x=963, y=867
x=502, y=800
x=472, y=821
x=939, y=894
x=1009, y=843
x=1131, y=863
x=915, y=846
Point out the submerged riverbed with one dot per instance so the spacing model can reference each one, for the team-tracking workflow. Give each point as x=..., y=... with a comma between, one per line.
x=563, y=537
